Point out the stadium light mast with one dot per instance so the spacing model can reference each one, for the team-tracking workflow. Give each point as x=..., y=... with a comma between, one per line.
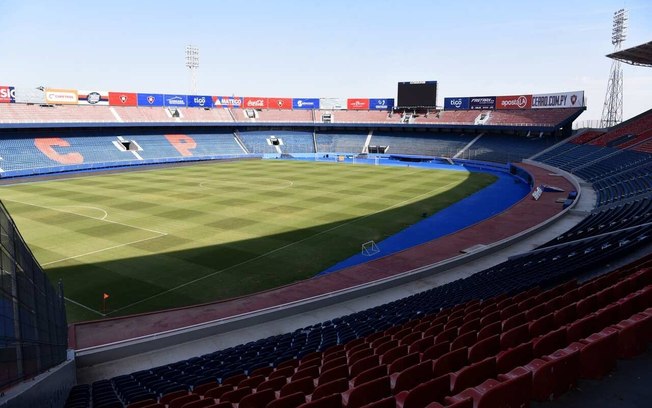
x=192, y=63
x=612, y=111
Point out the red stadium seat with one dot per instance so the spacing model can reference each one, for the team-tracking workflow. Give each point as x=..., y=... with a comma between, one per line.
x=449, y=362
x=411, y=376
x=369, y=375
x=291, y=401
x=404, y=362
x=304, y=385
x=598, y=353
x=331, y=401
x=433, y=390
x=473, y=374
x=514, y=357
x=484, y=348
x=435, y=351
x=259, y=399
x=508, y=392
x=367, y=393
x=515, y=336
x=333, y=387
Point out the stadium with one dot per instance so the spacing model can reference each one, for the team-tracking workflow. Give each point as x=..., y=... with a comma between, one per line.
x=185, y=250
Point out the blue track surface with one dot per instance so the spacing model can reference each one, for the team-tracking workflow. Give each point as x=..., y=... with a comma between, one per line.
x=492, y=200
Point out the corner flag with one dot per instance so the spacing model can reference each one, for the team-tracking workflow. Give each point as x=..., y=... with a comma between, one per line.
x=105, y=296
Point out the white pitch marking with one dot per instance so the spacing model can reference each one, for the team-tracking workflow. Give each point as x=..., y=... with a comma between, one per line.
x=102, y=250
x=89, y=207
x=86, y=216
x=84, y=306
x=281, y=248
x=207, y=184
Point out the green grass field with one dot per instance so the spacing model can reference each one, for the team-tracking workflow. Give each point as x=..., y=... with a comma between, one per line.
x=176, y=236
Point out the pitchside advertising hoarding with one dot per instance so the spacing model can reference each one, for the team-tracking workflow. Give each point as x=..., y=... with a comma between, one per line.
x=254, y=102
x=514, y=102
x=305, y=103
x=332, y=103
x=456, y=103
x=30, y=95
x=279, y=103
x=145, y=99
x=123, y=99
x=176, y=101
x=61, y=96
x=200, y=101
x=92, y=98
x=357, y=104
x=558, y=100
x=7, y=94
x=227, y=101
x=482, y=102
x=381, y=103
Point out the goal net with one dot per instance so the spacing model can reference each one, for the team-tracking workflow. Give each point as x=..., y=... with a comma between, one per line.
x=369, y=248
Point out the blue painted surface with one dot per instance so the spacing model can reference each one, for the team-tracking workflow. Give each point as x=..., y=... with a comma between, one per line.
x=483, y=204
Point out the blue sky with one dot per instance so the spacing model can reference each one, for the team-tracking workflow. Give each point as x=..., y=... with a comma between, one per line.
x=324, y=48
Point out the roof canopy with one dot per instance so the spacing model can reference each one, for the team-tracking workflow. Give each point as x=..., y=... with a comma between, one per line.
x=639, y=55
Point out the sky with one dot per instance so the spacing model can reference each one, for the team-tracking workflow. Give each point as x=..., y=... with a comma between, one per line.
x=315, y=48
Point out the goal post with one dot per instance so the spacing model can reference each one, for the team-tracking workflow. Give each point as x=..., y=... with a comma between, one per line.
x=369, y=248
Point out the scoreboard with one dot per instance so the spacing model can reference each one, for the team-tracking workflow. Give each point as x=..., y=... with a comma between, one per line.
x=417, y=94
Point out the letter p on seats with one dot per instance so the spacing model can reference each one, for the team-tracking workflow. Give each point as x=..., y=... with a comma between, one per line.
x=183, y=143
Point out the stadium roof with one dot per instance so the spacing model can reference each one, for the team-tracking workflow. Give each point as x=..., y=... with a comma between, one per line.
x=639, y=55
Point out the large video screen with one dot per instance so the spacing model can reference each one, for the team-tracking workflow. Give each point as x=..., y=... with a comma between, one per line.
x=421, y=94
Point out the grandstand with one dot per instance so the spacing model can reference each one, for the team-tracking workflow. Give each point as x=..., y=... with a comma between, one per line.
x=424, y=327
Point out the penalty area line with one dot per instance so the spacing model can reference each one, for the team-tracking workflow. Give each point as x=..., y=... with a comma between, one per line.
x=102, y=250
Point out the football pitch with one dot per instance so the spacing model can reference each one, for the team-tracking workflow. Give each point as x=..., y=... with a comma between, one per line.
x=169, y=237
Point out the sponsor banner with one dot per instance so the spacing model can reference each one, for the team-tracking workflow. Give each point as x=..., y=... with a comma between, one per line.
x=61, y=96
x=514, y=102
x=332, y=103
x=253, y=102
x=177, y=101
x=123, y=99
x=227, y=101
x=305, y=103
x=381, y=103
x=482, y=102
x=357, y=104
x=150, y=99
x=279, y=103
x=200, y=101
x=30, y=95
x=93, y=98
x=456, y=103
x=558, y=100
x=7, y=94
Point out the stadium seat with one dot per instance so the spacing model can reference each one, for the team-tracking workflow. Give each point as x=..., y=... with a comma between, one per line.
x=473, y=374
x=411, y=377
x=433, y=390
x=449, y=362
x=487, y=347
x=366, y=393
x=289, y=401
x=331, y=401
x=329, y=388
x=258, y=399
x=598, y=353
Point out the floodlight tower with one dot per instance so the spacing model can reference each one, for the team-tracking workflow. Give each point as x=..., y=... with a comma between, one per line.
x=612, y=111
x=192, y=62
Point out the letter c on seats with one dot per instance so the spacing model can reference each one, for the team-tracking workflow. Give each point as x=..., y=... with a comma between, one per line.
x=46, y=145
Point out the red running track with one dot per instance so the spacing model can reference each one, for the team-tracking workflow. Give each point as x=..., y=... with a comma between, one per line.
x=521, y=216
